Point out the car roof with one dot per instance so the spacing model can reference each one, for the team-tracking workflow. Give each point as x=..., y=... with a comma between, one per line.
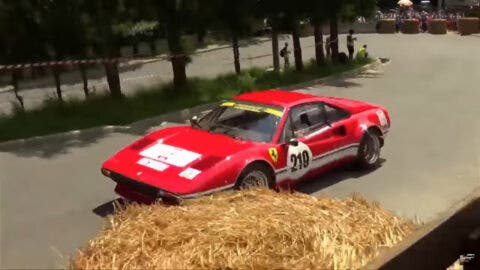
x=282, y=98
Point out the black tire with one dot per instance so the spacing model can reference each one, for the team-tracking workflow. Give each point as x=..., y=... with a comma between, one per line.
x=368, y=155
x=243, y=180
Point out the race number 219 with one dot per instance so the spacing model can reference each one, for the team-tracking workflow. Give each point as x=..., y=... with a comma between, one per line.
x=300, y=161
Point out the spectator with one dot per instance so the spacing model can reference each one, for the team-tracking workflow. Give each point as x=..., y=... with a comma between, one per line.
x=328, y=47
x=424, y=22
x=285, y=53
x=350, y=44
x=362, y=52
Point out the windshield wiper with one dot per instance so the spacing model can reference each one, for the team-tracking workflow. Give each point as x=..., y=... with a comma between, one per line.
x=227, y=130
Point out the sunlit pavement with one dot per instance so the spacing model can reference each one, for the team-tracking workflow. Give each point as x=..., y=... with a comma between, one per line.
x=432, y=153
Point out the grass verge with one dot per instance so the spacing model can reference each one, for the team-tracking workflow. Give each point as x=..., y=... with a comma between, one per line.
x=54, y=117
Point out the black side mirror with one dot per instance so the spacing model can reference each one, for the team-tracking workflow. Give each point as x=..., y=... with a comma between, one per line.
x=293, y=142
x=194, y=121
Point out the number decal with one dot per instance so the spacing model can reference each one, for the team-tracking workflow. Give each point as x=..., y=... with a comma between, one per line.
x=293, y=159
x=299, y=160
x=305, y=158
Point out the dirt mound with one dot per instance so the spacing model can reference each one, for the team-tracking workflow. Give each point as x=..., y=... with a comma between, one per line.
x=257, y=229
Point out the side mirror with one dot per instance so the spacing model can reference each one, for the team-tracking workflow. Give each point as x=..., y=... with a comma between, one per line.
x=194, y=121
x=293, y=142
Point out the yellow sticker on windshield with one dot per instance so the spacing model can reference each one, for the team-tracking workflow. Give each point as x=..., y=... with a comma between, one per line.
x=274, y=112
x=248, y=107
x=228, y=104
x=252, y=108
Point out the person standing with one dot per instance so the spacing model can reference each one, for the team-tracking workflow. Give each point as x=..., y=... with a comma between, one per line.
x=285, y=53
x=350, y=44
x=327, y=47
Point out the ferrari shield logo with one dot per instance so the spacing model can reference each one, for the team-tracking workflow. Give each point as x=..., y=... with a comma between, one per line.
x=273, y=154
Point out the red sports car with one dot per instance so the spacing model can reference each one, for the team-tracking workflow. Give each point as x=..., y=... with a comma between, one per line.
x=270, y=138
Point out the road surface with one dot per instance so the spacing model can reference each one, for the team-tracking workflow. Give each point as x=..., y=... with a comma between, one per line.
x=52, y=194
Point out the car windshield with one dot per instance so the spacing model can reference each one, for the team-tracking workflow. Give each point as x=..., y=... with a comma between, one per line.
x=243, y=121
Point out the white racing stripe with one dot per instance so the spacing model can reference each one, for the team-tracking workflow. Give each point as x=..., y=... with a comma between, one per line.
x=322, y=160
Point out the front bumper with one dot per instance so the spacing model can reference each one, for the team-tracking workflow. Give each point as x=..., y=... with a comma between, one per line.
x=142, y=193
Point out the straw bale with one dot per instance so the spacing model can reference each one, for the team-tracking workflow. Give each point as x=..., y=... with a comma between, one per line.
x=253, y=229
x=437, y=26
x=387, y=26
x=410, y=26
x=467, y=26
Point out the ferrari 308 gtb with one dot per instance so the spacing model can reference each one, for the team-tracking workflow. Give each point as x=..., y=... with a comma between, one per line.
x=268, y=138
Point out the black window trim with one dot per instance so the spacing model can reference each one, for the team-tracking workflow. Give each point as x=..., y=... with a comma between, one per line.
x=347, y=113
x=288, y=115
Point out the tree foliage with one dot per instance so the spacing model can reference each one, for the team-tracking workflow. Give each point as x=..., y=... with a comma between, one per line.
x=39, y=30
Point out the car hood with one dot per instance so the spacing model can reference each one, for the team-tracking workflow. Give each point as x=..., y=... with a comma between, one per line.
x=176, y=159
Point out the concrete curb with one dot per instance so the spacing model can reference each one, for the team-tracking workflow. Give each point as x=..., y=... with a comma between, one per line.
x=143, y=126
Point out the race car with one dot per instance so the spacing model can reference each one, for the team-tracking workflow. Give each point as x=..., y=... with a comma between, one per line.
x=270, y=138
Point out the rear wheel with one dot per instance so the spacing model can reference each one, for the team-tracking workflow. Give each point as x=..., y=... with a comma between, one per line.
x=369, y=150
x=255, y=175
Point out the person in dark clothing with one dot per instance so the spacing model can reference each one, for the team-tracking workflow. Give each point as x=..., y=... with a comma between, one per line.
x=424, y=22
x=350, y=44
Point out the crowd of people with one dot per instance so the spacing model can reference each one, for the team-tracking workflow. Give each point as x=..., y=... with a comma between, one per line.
x=422, y=16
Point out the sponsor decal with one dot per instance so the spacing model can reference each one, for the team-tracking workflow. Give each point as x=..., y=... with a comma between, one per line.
x=189, y=173
x=273, y=154
x=253, y=108
x=152, y=164
x=170, y=154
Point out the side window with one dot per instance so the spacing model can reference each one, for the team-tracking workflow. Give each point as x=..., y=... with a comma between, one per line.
x=333, y=114
x=307, y=118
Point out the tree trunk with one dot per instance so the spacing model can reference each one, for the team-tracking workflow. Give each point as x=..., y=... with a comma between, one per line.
x=113, y=79
x=334, y=38
x=153, y=47
x=297, y=49
x=276, y=58
x=179, y=74
x=319, y=54
x=58, y=84
x=15, y=78
x=176, y=49
x=83, y=72
x=236, y=53
x=135, y=48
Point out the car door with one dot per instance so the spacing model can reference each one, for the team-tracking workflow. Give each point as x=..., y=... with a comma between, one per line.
x=314, y=140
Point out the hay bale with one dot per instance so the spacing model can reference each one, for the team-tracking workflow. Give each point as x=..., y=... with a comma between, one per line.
x=386, y=26
x=254, y=229
x=410, y=26
x=467, y=26
x=437, y=26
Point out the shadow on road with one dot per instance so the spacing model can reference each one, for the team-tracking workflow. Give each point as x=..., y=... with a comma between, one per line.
x=333, y=177
x=45, y=147
x=110, y=207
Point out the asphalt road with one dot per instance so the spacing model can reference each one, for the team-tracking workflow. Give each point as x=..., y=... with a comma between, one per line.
x=49, y=191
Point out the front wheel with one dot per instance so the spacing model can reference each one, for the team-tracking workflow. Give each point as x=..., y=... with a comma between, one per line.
x=255, y=175
x=369, y=151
